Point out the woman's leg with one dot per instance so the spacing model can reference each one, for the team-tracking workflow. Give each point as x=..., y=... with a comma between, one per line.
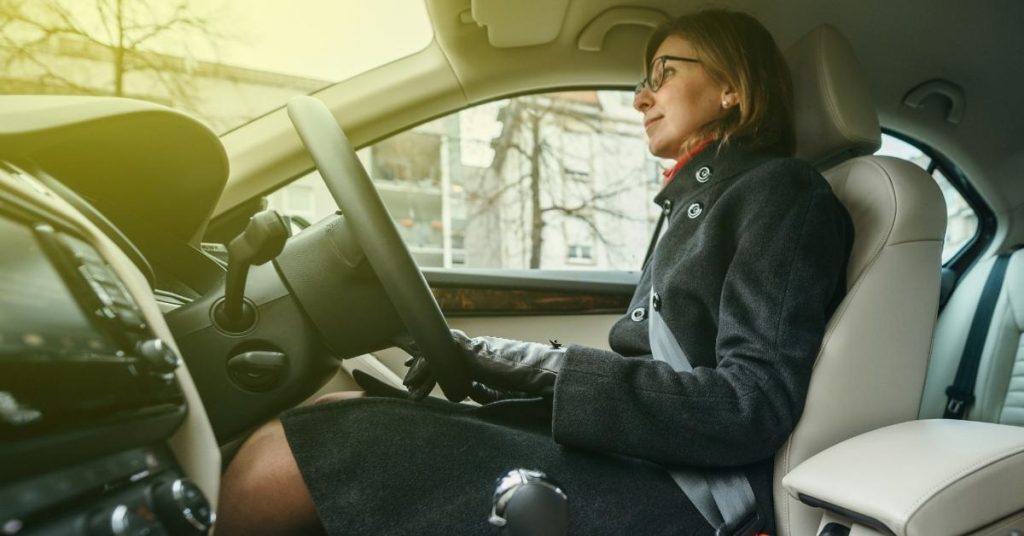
x=262, y=491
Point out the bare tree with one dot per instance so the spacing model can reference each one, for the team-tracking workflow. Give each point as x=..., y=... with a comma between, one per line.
x=37, y=37
x=545, y=186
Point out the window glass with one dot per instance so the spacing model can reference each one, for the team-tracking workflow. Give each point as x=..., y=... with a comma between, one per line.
x=552, y=181
x=962, y=221
x=225, y=61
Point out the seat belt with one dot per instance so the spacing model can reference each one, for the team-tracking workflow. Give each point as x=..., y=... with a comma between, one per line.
x=656, y=236
x=723, y=496
x=961, y=393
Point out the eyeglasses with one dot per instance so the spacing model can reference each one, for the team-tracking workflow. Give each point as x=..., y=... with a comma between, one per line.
x=656, y=76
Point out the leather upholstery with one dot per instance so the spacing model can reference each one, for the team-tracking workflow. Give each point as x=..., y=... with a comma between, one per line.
x=871, y=367
x=921, y=477
x=835, y=112
x=999, y=388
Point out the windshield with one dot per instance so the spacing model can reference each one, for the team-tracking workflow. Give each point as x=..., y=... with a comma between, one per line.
x=224, y=61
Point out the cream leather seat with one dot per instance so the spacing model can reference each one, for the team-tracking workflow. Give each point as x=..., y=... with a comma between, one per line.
x=871, y=368
x=999, y=387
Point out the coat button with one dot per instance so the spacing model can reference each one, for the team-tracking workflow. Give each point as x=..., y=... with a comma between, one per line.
x=638, y=314
x=703, y=174
x=656, y=301
x=694, y=210
x=667, y=206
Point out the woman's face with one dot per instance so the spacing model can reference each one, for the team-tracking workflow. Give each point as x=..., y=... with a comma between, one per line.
x=687, y=100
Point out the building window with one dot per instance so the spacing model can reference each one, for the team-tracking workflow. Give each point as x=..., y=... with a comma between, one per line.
x=410, y=157
x=580, y=253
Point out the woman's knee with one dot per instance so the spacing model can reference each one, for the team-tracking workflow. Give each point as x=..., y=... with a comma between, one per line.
x=262, y=491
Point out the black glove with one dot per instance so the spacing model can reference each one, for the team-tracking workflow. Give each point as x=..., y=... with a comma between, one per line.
x=420, y=382
x=501, y=368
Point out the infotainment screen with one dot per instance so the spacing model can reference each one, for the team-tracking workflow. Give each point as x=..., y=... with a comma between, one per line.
x=39, y=316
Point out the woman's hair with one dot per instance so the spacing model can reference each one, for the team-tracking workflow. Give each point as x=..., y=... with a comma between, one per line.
x=736, y=50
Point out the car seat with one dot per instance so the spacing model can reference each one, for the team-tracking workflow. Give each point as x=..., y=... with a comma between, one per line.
x=871, y=367
x=999, y=385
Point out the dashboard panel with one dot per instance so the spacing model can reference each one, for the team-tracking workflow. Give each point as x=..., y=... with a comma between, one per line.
x=101, y=428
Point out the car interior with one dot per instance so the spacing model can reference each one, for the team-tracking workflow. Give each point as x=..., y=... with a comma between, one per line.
x=159, y=303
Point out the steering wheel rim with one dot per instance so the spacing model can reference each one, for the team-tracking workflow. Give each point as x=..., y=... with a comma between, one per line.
x=375, y=231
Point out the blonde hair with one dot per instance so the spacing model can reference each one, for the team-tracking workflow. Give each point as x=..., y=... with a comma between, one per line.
x=737, y=51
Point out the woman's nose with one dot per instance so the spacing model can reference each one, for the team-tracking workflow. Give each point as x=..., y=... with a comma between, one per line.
x=642, y=100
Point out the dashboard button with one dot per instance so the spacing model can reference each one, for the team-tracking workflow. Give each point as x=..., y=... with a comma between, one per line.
x=182, y=507
x=158, y=355
x=130, y=318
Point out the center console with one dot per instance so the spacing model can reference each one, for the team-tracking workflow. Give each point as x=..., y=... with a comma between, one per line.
x=918, y=478
x=88, y=393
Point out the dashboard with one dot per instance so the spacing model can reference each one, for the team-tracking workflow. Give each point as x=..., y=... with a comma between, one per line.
x=102, y=430
x=116, y=410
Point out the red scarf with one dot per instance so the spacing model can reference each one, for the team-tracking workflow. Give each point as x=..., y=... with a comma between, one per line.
x=683, y=160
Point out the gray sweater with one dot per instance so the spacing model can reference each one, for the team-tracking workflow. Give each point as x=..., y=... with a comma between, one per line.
x=750, y=267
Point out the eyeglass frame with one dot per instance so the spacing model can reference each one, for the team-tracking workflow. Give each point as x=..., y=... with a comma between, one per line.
x=646, y=82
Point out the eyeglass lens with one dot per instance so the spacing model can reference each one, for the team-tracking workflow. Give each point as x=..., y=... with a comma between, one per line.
x=657, y=73
x=655, y=77
x=648, y=79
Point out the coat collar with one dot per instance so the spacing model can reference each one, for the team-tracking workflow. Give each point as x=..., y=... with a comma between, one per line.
x=714, y=164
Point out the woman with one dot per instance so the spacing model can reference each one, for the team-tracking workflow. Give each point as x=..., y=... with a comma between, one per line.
x=709, y=368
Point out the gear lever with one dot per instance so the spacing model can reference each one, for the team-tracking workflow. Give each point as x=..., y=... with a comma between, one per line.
x=262, y=240
x=528, y=503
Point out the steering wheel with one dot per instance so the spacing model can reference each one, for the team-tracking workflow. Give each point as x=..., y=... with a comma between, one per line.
x=376, y=234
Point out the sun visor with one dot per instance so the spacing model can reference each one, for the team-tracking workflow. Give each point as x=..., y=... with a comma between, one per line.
x=520, y=23
x=141, y=164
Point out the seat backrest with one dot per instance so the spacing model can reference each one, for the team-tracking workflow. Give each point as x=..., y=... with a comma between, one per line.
x=999, y=387
x=871, y=367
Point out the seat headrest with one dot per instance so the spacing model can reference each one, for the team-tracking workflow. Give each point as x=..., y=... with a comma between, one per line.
x=835, y=113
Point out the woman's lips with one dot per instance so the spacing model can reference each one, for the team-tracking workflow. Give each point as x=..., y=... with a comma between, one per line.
x=649, y=122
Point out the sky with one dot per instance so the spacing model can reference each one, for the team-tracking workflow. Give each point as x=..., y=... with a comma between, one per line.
x=322, y=39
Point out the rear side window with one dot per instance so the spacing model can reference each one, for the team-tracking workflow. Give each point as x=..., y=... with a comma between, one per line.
x=961, y=218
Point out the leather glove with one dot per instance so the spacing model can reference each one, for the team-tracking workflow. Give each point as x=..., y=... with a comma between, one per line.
x=420, y=382
x=501, y=368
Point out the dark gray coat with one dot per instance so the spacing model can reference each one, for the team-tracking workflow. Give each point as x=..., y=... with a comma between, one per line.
x=749, y=269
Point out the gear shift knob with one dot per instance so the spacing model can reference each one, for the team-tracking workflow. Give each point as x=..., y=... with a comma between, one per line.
x=262, y=240
x=528, y=503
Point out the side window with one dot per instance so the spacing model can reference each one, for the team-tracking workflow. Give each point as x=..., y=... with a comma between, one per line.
x=550, y=181
x=962, y=220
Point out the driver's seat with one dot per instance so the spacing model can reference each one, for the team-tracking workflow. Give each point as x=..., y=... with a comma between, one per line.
x=871, y=367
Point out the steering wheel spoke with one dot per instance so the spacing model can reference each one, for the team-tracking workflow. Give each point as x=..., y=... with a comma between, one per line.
x=375, y=231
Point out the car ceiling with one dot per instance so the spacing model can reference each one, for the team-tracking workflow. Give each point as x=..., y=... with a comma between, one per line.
x=976, y=45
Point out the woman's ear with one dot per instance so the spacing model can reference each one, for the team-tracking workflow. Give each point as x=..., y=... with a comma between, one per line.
x=729, y=98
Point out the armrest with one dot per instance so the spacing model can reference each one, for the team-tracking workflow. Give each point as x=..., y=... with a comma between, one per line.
x=918, y=478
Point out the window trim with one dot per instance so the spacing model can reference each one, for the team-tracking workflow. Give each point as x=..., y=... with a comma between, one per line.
x=987, y=223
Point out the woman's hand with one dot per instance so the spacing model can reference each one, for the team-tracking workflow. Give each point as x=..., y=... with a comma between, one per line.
x=501, y=368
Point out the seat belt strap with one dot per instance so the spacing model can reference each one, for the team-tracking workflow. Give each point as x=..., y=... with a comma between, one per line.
x=698, y=490
x=961, y=393
x=655, y=237
x=723, y=497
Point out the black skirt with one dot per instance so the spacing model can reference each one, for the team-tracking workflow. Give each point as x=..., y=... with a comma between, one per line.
x=389, y=466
